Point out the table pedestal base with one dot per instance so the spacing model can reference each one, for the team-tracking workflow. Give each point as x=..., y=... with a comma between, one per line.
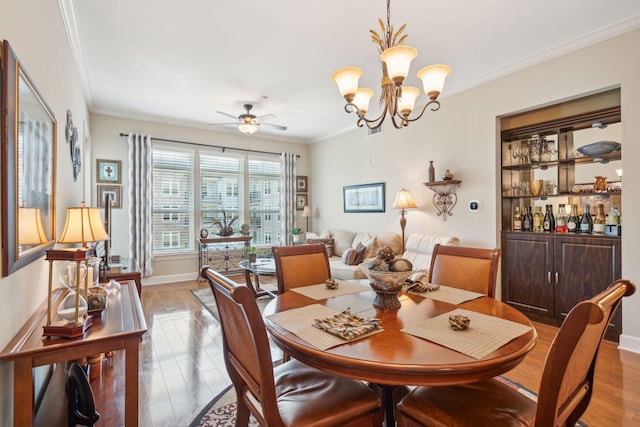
x=390, y=395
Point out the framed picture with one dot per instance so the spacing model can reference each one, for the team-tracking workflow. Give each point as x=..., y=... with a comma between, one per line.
x=302, y=184
x=115, y=191
x=301, y=201
x=108, y=171
x=364, y=198
x=28, y=146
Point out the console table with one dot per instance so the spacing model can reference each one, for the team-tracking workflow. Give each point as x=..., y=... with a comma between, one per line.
x=223, y=254
x=126, y=269
x=120, y=327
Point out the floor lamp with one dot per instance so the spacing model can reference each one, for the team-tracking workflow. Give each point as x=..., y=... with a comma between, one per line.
x=403, y=202
x=306, y=213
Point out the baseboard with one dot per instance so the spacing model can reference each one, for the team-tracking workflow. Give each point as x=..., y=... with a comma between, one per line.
x=629, y=343
x=173, y=278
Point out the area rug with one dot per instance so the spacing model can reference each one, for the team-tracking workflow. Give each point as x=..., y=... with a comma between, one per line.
x=205, y=296
x=221, y=411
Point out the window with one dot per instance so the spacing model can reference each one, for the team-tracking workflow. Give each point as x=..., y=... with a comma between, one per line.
x=172, y=201
x=242, y=185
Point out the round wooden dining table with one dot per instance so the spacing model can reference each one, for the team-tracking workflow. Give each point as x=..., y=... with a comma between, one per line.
x=394, y=359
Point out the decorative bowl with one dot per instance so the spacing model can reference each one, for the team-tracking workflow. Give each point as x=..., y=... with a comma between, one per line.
x=599, y=148
x=387, y=284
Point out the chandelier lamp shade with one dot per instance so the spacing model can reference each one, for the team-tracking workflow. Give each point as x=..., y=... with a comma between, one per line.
x=397, y=101
x=403, y=202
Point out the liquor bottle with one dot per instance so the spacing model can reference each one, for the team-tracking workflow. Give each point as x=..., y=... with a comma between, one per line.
x=527, y=221
x=538, y=219
x=599, y=220
x=549, y=224
x=586, y=222
x=561, y=220
x=573, y=220
x=517, y=220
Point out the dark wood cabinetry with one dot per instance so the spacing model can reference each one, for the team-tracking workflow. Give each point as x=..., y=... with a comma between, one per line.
x=545, y=275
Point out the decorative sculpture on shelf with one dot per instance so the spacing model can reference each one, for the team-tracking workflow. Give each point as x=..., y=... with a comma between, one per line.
x=225, y=225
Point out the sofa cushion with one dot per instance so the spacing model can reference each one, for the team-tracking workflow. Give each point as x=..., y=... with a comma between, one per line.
x=342, y=240
x=387, y=238
x=323, y=235
x=328, y=243
x=341, y=271
x=371, y=243
x=419, y=248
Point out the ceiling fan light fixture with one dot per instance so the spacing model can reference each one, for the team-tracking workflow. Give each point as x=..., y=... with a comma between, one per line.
x=396, y=101
x=247, y=128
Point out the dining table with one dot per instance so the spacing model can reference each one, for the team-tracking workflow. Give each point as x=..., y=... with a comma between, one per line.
x=413, y=346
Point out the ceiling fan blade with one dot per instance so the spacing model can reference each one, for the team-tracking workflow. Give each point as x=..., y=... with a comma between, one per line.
x=222, y=124
x=266, y=117
x=226, y=114
x=274, y=126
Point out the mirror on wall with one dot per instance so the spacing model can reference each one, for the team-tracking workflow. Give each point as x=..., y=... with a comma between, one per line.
x=28, y=167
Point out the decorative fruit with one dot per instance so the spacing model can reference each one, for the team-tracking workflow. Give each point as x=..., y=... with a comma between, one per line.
x=385, y=254
x=400, y=264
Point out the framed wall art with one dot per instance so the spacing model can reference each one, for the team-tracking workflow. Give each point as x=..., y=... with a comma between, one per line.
x=28, y=139
x=364, y=198
x=108, y=171
x=302, y=184
x=115, y=191
x=302, y=200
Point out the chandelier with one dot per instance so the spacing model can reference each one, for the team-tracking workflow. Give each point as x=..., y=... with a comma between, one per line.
x=397, y=101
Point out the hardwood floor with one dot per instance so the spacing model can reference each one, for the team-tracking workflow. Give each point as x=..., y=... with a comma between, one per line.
x=181, y=365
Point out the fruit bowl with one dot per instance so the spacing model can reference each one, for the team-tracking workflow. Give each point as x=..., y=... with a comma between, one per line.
x=386, y=284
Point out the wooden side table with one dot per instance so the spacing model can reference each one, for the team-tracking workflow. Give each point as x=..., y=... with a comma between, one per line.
x=126, y=269
x=120, y=327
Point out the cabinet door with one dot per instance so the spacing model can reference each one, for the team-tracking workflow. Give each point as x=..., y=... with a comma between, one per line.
x=586, y=266
x=526, y=267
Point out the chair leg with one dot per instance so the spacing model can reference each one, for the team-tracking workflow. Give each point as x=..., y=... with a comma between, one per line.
x=242, y=411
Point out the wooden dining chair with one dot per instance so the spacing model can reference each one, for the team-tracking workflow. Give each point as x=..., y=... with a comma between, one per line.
x=473, y=269
x=300, y=265
x=565, y=387
x=291, y=394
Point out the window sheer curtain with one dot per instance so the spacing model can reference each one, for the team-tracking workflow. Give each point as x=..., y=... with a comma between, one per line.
x=287, y=196
x=141, y=202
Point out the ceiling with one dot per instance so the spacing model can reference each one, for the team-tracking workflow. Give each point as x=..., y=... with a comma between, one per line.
x=180, y=62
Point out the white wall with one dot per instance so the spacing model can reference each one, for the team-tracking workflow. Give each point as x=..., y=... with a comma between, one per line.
x=462, y=136
x=35, y=30
x=107, y=144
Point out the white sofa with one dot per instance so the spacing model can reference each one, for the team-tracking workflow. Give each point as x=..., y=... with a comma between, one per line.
x=419, y=248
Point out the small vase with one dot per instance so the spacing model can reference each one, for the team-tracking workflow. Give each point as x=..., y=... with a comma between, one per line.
x=601, y=184
x=431, y=171
x=447, y=175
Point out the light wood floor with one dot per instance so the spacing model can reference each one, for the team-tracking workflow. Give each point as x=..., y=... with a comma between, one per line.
x=181, y=365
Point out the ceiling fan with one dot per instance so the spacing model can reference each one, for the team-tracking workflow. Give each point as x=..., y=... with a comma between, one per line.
x=248, y=123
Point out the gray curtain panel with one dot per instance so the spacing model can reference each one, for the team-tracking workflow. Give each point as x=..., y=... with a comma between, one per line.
x=141, y=202
x=287, y=196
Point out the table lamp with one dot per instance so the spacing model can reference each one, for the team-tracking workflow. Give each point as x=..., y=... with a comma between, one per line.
x=82, y=225
x=306, y=213
x=403, y=202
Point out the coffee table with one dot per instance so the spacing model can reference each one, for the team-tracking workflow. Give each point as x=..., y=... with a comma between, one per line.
x=262, y=267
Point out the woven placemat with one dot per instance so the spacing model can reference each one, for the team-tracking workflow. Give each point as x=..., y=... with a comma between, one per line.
x=451, y=295
x=320, y=291
x=300, y=322
x=485, y=334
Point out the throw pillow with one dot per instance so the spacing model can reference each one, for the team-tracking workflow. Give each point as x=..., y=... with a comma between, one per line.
x=328, y=243
x=354, y=256
x=343, y=240
x=371, y=247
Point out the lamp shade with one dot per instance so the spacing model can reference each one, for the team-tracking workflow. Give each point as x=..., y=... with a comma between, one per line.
x=30, y=230
x=362, y=98
x=83, y=225
x=404, y=200
x=247, y=128
x=398, y=60
x=433, y=78
x=306, y=212
x=347, y=80
x=408, y=99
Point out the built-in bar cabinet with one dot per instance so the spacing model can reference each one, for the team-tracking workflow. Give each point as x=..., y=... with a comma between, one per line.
x=563, y=148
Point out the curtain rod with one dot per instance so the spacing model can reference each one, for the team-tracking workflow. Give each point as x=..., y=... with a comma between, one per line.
x=248, y=150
